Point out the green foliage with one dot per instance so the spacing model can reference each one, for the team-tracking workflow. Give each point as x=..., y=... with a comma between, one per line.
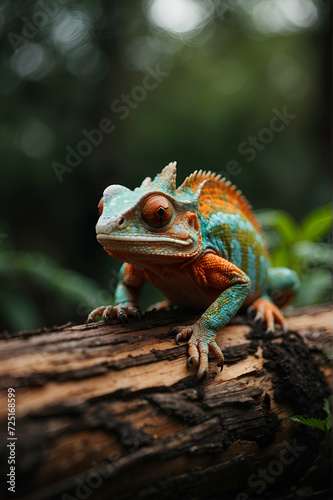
x=317, y=474
x=302, y=248
x=37, y=287
x=317, y=223
x=316, y=423
x=326, y=407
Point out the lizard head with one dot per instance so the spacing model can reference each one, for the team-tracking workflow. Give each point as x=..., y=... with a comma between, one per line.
x=151, y=222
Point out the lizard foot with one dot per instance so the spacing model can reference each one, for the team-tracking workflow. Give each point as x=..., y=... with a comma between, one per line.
x=267, y=311
x=198, y=347
x=183, y=332
x=122, y=311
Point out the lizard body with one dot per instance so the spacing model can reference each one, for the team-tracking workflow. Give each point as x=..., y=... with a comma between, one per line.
x=201, y=246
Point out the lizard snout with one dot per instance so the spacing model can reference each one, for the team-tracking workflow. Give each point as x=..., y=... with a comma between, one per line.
x=106, y=225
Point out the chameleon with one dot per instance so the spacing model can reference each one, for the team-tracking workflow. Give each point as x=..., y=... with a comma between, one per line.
x=202, y=246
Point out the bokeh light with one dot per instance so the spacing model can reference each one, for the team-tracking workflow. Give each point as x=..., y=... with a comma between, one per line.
x=35, y=138
x=179, y=16
x=32, y=61
x=87, y=61
x=71, y=29
x=284, y=16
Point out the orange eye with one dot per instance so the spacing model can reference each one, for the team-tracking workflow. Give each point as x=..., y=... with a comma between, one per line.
x=100, y=206
x=157, y=211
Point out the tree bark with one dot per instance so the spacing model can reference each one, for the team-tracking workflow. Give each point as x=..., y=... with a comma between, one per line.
x=111, y=411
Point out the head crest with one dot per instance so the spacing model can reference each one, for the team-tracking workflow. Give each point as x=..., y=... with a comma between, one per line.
x=165, y=181
x=207, y=186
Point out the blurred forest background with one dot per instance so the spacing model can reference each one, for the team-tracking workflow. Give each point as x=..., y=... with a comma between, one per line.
x=200, y=82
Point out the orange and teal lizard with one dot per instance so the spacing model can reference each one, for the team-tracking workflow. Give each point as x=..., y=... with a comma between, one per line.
x=201, y=246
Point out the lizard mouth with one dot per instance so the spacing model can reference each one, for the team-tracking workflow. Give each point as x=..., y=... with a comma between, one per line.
x=144, y=239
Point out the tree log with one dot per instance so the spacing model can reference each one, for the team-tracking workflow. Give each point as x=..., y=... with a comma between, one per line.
x=111, y=411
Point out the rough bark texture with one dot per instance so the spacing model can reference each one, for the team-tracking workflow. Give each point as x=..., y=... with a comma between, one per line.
x=111, y=411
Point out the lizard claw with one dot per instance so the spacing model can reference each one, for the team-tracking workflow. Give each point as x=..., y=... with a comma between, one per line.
x=106, y=317
x=197, y=348
x=267, y=311
x=95, y=314
x=123, y=317
x=192, y=361
x=178, y=338
x=202, y=373
x=137, y=315
x=121, y=311
x=258, y=317
x=183, y=332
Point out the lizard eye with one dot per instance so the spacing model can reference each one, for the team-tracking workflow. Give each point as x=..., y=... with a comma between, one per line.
x=100, y=207
x=157, y=211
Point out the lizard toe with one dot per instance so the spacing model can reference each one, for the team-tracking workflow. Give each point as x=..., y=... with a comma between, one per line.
x=95, y=313
x=110, y=312
x=217, y=353
x=199, y=346
x=268, y=312
x=178, y=338
x=137, y=315
x=258, y=317
x=120, y=311
x=269, y=319
x=182, y=332
x=106, y=317
x=192, y=361
x=123, y=317
x=202, y=373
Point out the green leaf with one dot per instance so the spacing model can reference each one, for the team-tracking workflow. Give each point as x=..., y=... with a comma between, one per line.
x=317, y=223
x=282, y=222
x=315, y=288
x=316, y=423
x=280, y=257
x=327, y=407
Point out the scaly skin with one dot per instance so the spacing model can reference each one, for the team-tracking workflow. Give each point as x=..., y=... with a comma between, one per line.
x=201, y=246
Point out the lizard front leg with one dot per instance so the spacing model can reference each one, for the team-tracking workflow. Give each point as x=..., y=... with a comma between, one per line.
x=126, y=297
x=212, y=271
